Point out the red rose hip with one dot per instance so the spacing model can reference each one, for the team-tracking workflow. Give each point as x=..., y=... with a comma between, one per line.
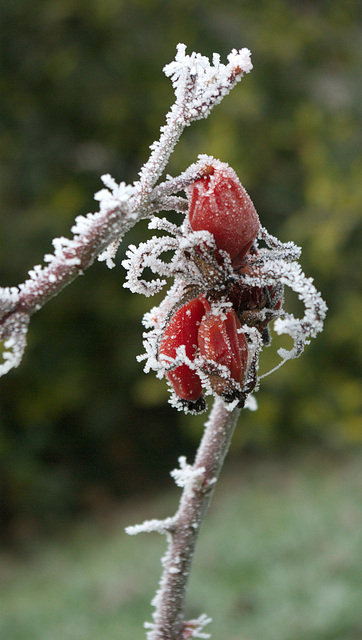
x=182, y=329
x=218, y=203
x=221, y=342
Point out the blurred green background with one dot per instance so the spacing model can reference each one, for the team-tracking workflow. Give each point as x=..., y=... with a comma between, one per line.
x=83, y=94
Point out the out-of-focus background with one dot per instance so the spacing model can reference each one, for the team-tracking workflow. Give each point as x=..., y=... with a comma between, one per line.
x=84, y=433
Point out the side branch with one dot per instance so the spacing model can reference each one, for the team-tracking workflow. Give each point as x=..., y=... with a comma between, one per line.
x=199, y=485
x=71, y=259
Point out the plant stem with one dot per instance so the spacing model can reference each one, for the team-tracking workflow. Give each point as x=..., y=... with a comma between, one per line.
x=195, y=499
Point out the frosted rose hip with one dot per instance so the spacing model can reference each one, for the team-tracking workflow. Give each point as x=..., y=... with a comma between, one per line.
x=218, y=203
x=221, y=342
x=182, y=329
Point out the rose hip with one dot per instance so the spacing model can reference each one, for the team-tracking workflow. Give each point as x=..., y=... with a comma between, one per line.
x=218, y=203
x=182, y=329
x=221, y=342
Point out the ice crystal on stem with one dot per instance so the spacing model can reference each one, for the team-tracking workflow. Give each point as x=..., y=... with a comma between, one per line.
x=191, y=628
x=206, y=84
x=186, y=475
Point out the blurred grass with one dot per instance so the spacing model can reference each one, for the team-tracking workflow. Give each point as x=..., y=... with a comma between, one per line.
x=279, y=558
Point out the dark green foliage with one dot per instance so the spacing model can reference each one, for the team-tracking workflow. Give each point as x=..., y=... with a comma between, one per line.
x=83, y=94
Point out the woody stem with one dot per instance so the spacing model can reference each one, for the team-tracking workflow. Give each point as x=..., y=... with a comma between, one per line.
x=194, y=502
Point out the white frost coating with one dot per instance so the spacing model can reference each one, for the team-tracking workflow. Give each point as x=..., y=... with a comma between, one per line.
x=15, y=345
x=9, y=296
x=187, y=475
x=43, y=283
x=198, y=87
x=174, y=570
x=150, y=526
x=109, y=254
x=286, y=250
x=251, y=403
x=300, y=330
x=146, y=255
x=207, y=83
x=115, y=195
x=13, y=354
x=191, y=628
x=195, y=627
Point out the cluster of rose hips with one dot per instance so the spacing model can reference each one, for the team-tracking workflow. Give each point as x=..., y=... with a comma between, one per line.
x=209, y=326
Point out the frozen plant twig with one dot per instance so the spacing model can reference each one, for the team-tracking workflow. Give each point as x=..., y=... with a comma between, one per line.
x=198, y=87
x=198, y=483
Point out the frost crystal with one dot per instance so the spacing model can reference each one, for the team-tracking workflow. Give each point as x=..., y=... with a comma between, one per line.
x=207, y=84
x=114, y=195
x=149, y=526
x=193, y=628
x=187, y=475
x=251, y=403
x=16, y=327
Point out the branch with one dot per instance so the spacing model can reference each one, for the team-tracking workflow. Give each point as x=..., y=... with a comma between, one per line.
x=198, y=86
x=182, y=530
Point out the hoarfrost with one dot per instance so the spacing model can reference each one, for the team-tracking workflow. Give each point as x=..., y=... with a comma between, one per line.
x=9, y=297
x=194, y=628
x=115, y=195
x=191, y=628
x=16, y=327
x=150, y=526
x=251, y=403
x=206, y=83
x=174, y=570
x=187, y=475
x=109, y=254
